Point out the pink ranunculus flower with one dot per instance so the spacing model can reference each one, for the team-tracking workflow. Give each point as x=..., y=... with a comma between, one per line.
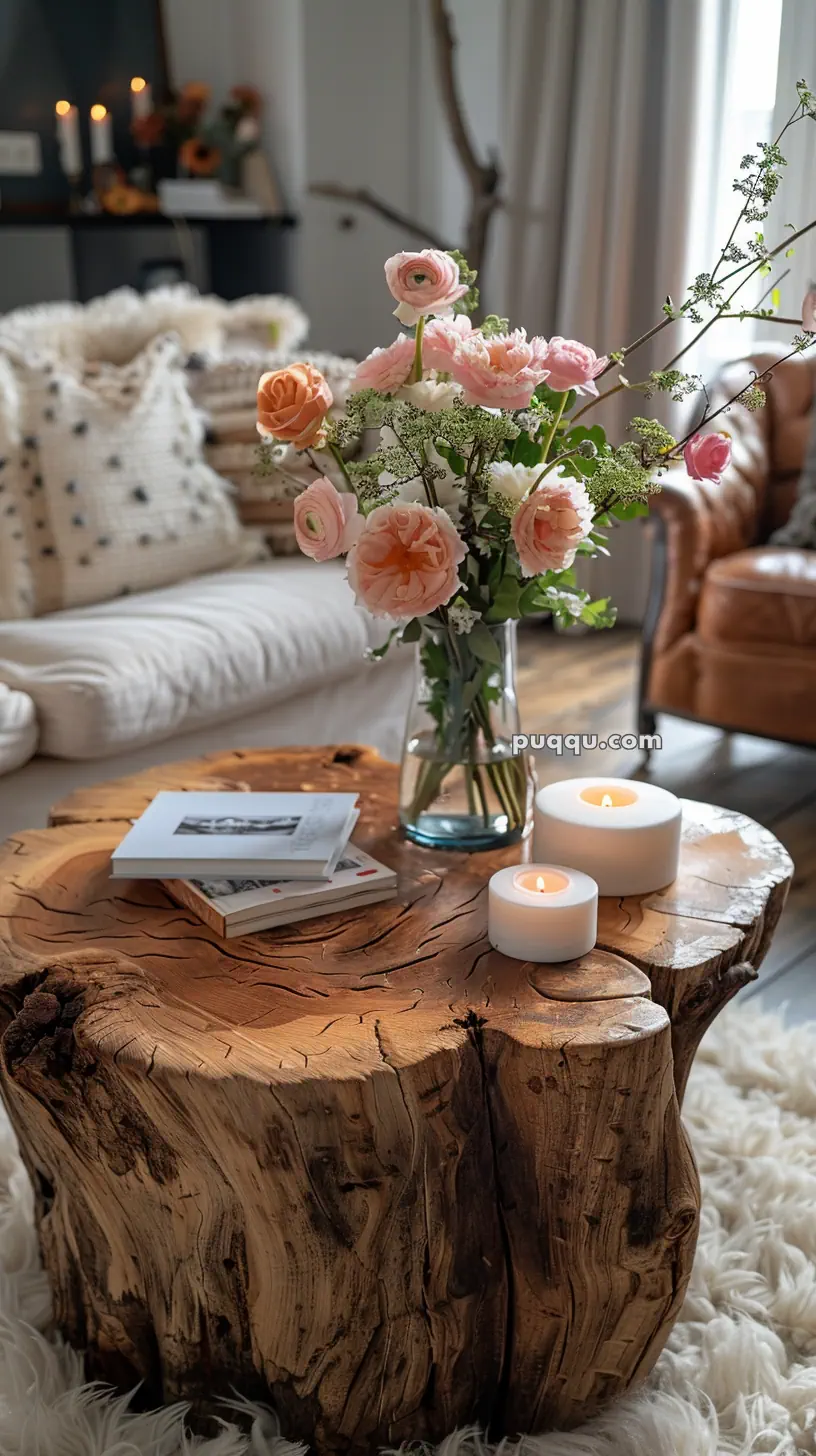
x=423, y=283
x=551, y=523
x=809, y=311
x=405, y=563
x=707, y=456
x=386, y=369
x=440, y=341
x=573, y=366
x=500, y=372
x=326, y=522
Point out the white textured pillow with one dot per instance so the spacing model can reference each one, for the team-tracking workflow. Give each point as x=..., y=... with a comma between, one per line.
x=16, y=581
x=115, y=494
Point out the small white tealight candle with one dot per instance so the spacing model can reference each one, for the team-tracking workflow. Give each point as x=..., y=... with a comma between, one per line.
x=625, y=835
x=542, y=912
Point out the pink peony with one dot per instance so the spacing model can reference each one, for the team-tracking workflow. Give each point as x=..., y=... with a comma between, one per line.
x=502, y=371
x=707, y=456
x=573, y=366
x=405, y=561
x=326, y=522
x=550, y=524
x=440, y=340
x=422, y=283
x=386, y=369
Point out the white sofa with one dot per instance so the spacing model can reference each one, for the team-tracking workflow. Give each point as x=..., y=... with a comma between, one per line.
x=264, y=655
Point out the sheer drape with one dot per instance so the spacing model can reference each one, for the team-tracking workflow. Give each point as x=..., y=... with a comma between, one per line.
x=607, y=107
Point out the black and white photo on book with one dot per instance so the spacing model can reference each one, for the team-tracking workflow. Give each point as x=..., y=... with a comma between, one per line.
x=231, y=835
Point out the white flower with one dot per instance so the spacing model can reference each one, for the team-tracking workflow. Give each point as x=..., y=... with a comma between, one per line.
x=462, y=618
x=430, y=394
x=509, y=484
x=447, y=487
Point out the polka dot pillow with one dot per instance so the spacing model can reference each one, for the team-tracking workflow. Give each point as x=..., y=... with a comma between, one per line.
x=113, y=489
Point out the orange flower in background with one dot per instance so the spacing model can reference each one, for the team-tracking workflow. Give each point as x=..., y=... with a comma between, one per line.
x=292, y=405
x=192, y=100
x=148, y=131
x=197, y=91
x=248, y=98
x=199, y=157
x=123, y=200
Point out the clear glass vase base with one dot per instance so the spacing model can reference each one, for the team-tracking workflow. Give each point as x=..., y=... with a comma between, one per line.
x=463, y=833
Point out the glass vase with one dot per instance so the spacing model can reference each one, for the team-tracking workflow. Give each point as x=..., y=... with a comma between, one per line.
x=462, y=787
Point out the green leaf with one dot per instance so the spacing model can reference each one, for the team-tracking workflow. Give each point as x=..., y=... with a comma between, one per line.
x=628, y=510
x=526, y=451
x=412, y=631
x=776, y=298
x=599, y=614
x=483, y=645
x=505, y=599
x=789, y=252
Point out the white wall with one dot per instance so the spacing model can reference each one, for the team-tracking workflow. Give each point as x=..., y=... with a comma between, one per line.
x=351, y=96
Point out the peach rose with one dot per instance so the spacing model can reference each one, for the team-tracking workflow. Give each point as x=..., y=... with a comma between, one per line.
x=550, y=524
x=292, y=405
x=502, y=371
x=405, y=561
x=440, y=340
x=326, y=522
x=573, y=366
x=422, y=283
x=386, y=369
x=707, y=456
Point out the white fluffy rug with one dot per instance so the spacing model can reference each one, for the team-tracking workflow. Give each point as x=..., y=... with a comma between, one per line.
x=738, y=1377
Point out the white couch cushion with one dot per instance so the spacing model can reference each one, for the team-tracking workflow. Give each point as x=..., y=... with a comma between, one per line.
x=142, y=668
x=18, y=729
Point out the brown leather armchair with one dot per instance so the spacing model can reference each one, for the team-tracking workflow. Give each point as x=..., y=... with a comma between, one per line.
x=730, y=630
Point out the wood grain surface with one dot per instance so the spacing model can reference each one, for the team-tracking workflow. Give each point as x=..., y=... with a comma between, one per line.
x=365, y=1167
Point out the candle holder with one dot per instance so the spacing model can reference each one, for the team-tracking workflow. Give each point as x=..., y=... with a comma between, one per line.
x=542, y=912
x=625, y=835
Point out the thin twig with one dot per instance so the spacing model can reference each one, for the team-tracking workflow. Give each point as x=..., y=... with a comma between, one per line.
x=756, y=379
x=364, y=197
x=445, y=47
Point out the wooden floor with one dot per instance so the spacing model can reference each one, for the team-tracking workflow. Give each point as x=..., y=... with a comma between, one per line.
x=587, y=684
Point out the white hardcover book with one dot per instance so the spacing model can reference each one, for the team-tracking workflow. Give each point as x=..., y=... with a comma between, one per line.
x=235, y=835
x=240, y=906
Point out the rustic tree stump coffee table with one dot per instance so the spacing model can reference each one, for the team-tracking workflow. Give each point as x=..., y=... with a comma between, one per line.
x=363, y=1167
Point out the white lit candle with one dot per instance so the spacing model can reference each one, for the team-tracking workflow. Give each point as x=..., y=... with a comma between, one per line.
x=542, y=912
x=625, y=835
x=70, y=146
x=141, y=98
x=101, y=136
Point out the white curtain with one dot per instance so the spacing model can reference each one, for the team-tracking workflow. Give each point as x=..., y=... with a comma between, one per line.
x=609, y=111
x=795, y=201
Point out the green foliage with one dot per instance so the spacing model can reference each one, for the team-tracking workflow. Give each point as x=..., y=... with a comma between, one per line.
x=621, y=476
x=654, y=437
x=493, y=325
x=468, y=275
x=674, y=382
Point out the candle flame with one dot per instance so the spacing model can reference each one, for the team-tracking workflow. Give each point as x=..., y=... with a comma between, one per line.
x=540, y=885
x=606, y=802
x=98, y=112
x=138, y=83
x=62, y=108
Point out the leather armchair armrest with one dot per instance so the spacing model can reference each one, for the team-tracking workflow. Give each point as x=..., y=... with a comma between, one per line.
x=701, y=521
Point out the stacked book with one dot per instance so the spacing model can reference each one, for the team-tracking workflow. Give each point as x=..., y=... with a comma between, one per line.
x=247, y=862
